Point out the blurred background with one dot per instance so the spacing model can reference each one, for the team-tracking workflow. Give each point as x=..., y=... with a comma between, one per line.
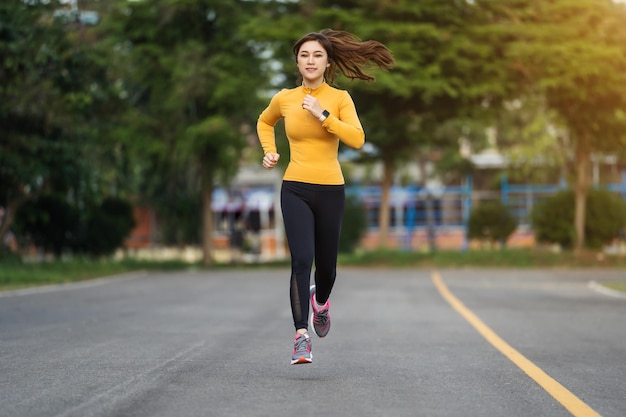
x=128, y=128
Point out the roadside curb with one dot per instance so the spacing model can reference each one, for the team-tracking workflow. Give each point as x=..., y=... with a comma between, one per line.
x=73, y=285
x=602, y=289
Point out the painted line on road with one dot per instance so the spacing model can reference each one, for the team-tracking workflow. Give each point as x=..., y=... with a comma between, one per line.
x=105, y=402
x=568, y=400
x=602, y=289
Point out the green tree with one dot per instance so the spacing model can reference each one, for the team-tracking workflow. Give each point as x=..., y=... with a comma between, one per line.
x=447, y=84
x=191, y=77
x=442, y=77
x=531, y=138
x=48, y=94
x=574, y=53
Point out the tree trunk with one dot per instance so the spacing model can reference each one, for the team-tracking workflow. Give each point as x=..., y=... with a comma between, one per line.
x=207, y=221
x=581, y=190
x=383, y=219
x=429, y=204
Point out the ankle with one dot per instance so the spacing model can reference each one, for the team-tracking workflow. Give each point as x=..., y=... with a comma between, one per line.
x=319, y=306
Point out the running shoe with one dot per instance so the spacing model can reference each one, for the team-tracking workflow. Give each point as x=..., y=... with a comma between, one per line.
x=302, y=350
x=320, y=319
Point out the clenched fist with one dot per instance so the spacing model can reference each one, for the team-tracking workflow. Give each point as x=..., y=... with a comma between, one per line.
x=270, y=160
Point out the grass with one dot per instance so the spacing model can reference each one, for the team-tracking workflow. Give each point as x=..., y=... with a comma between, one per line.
x=508, y=258
x=15, y=274
x=619, y=286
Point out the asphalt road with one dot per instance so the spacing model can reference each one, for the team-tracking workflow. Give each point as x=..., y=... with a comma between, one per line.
x=219, y=344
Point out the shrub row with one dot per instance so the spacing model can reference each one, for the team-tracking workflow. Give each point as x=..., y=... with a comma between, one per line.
x=552, y=219
x=51, y=223
x=54, y=225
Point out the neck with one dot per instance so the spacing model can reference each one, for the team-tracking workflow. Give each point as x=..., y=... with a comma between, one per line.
x=312, y=84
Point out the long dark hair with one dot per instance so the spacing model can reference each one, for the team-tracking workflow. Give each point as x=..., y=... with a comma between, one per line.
x=348, y=54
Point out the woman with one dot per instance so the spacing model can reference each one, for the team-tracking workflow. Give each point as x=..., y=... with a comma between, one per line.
x=317, y=116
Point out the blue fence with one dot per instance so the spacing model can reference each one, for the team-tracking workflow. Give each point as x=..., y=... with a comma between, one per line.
x=415, y=211
x=450, y=206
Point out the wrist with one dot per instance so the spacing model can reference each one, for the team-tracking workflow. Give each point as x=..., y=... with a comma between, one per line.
x=324, y=115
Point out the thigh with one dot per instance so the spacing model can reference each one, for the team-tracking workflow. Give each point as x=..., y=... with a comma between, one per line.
x=328, y=219
x=299, y=222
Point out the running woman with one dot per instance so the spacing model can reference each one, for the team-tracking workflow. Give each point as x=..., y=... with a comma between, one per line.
x=317, y=116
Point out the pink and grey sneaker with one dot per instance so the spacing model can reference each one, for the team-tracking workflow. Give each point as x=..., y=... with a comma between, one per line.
x=320, y=319
x=302, y=350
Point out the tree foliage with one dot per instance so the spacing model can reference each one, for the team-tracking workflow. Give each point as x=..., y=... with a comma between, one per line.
x=574, y=53
x=435, y=93
x=50, y=92
x=157, y=102
x=191, y=79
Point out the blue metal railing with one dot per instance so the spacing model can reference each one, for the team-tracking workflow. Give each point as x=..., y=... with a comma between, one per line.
x=452, y=205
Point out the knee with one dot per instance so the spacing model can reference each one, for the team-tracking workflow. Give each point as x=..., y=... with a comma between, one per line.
x=326, y=273
x=301, y=265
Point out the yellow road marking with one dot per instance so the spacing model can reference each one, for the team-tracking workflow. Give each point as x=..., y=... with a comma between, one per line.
x=568, y=400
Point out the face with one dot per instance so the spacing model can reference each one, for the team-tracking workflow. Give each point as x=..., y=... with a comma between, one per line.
x=312, y=62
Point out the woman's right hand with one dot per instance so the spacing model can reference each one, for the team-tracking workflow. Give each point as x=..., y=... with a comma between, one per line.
x=270, y=160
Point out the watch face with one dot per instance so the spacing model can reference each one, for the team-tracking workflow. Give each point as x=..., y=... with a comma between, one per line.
x=325, y=113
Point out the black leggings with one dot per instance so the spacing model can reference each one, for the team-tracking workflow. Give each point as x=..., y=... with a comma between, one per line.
x=312, y=214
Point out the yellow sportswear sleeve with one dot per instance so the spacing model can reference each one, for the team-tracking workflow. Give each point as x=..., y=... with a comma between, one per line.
x=313, y=144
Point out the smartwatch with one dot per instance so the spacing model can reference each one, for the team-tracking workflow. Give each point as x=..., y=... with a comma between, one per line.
x=324, y=115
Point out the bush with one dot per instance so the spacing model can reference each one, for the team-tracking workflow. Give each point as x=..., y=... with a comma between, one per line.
x=605, y=218
x=552, y=219
x=7, y=257
x=491, y=221
x=49, y=222
x=354, y=224
x=107, y=226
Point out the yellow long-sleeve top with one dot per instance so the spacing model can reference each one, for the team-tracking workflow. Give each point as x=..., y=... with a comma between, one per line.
x=313, y=145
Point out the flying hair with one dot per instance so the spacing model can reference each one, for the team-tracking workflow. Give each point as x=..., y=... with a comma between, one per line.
x=348, y=54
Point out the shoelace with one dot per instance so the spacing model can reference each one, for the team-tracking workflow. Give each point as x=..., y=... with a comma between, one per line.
x=321, y=317
x=301, y=345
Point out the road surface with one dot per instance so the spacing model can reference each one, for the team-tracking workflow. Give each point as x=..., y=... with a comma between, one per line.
x=410, y=342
